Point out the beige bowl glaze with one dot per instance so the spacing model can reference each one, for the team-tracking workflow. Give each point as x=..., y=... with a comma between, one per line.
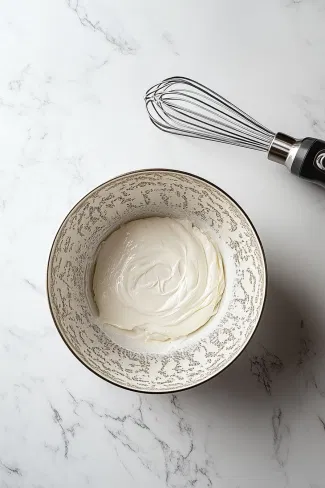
x=134, y=364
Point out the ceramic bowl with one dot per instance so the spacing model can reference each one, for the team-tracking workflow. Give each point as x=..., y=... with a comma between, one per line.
x=135, y=364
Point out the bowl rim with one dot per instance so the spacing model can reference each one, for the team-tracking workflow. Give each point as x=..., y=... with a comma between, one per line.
x=79, y=202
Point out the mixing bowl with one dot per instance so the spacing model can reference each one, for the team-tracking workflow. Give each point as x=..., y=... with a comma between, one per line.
x=148, y=366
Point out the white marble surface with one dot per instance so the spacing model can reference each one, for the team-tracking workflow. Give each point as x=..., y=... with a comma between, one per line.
x=72, y=81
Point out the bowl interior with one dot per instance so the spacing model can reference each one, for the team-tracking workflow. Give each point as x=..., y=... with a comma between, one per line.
x=152, y=367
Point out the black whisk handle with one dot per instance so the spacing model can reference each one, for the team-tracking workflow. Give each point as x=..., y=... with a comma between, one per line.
x=309, y=161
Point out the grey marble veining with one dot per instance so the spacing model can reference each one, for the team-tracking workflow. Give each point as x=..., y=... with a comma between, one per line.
x=72, y=79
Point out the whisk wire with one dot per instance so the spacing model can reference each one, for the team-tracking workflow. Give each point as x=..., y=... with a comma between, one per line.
x=211, y=121
x=224, y=129
x=185, y=107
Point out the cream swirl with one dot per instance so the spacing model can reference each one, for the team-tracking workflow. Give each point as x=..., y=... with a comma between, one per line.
x=160, y=277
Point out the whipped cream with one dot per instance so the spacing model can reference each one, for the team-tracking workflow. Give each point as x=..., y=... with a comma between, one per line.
x=158, y=277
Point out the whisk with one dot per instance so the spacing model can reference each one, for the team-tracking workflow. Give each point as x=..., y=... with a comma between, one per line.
x=184, y=107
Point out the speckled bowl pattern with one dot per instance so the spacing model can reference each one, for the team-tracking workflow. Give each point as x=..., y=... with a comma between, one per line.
x=156, y=193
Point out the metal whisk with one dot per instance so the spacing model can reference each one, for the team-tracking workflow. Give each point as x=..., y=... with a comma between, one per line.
x=184, y=107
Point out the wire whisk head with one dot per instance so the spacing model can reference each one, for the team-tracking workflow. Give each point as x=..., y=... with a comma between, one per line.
x=184, y=107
